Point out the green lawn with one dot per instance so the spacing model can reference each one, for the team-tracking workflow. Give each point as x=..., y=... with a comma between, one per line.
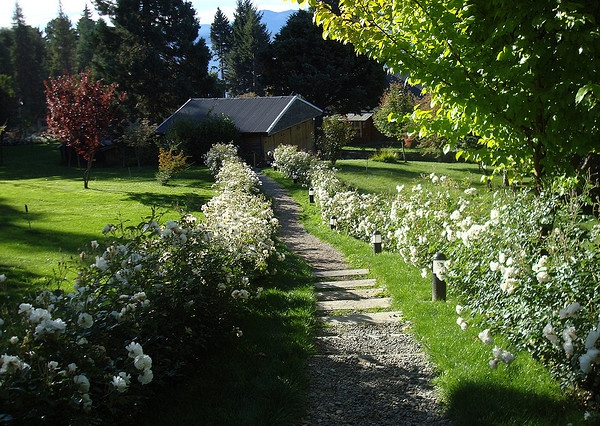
x=62, y=216
x=376, y=177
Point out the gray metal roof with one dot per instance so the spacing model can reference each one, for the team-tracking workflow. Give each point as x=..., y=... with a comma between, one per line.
x=251, y=115
x=363, y=116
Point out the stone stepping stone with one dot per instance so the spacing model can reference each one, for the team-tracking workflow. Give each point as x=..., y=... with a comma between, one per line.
x=340, y=273
x=363, y=318
x=333, y=305
x=335, y=285
x=351, y=294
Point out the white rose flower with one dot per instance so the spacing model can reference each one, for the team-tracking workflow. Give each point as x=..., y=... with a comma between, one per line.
x=82, y=383
x=120, y=383
x=507, y=357
x=142, y=362
x=146, y=377
x=85, y=320
x=135, y=349
x=485, y=337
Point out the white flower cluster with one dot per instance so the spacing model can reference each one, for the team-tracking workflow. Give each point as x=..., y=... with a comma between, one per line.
x=541, y=270
x=10, y=364
x=506, y=265
x=141, y=361
x=218, y=154
x=41, y=318
x=296, y=163
x=500, y=355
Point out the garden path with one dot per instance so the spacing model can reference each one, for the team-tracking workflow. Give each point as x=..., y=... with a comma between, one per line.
x=367, y=369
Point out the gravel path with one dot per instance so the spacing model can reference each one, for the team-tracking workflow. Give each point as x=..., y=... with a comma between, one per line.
x=362, y=374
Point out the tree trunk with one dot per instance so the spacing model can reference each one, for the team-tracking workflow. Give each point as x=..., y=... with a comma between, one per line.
x=403, y=151
x=538, y=168
x=88, y=170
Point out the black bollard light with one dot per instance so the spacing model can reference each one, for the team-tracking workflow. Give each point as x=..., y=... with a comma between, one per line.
x=376, y=242
x=438, y=291
x=333, y=222
x=311, y=195
x=295, y=177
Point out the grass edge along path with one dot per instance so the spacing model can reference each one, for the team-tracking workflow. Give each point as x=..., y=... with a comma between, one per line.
x=522, y=393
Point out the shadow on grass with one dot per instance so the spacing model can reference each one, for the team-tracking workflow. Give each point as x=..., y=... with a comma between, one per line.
x=490, y=405
x=187, y=202
x=402, y=170
x=257, y=379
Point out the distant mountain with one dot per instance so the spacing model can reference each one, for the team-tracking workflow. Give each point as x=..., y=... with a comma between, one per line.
x=273, y=20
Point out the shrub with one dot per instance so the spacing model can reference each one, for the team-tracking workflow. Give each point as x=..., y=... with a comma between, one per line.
x=385, y=155
x=197, y=138
x=169, y=165
x=292, y=162
x=218, y=154
x=337, y=133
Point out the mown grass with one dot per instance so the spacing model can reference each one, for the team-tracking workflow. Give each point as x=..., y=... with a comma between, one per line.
x=369, y=176
x=522, y=393
x=61, y=216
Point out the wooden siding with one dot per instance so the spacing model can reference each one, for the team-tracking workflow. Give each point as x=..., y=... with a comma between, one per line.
x=300, y=135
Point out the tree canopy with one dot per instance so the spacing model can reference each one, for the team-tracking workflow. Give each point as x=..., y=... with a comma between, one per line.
x=221, y=39
x=153, y=52
x=397, y=102
x=62, y=45
x=506, y=71
x=327, y=73
x=80, y=111
x=244, y=61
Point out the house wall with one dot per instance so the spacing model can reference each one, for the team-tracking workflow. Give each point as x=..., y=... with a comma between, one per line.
x=366, y=132
x=300, y=135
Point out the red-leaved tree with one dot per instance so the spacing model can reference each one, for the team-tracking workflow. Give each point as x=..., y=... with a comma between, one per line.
x=80, y=112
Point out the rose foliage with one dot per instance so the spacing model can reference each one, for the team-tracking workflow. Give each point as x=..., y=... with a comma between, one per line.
x=146, y=302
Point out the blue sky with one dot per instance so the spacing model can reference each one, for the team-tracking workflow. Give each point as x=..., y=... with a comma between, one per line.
x=38, y=13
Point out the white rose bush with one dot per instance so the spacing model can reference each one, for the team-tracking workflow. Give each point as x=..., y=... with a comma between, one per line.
x=523, y=267
x=146, y=301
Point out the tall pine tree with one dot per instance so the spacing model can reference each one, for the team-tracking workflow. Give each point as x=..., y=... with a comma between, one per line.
x=8, y=109
x=325, y=72
x=153, y=52
x=221, y=39
x=85, y=41
x=61, y=44
x=28, y=56
x=250, y=39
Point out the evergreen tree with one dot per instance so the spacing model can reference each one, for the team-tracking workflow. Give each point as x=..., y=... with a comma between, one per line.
x=220, y=37
x=7, y=94
x=153, y=53
x=324, y=72
x=29, y=66
x=250, y=39
x=61, y=44
x=85, y=42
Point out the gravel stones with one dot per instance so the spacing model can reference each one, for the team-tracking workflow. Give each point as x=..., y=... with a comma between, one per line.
x=370, y=375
